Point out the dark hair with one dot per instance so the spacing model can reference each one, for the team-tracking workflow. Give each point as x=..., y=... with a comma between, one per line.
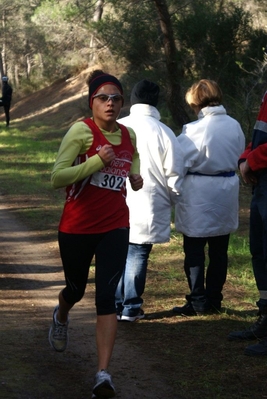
x=94, y=74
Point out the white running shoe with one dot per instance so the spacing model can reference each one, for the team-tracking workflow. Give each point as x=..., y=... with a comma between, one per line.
x=58, y=334
x=140, y=315
x=103, y=387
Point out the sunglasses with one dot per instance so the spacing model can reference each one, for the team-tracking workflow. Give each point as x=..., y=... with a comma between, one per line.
x=106, y=97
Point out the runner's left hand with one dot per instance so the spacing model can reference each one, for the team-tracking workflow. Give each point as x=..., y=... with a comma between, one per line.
x=136, y=182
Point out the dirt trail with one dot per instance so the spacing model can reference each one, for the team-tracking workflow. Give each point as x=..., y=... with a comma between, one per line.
x=30, y=279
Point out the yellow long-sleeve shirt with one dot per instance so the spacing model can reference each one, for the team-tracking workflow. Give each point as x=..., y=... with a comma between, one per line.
x=78, y=140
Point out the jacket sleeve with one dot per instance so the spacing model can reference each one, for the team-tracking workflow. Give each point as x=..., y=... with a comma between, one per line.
x=257, y=159
x=173, y=165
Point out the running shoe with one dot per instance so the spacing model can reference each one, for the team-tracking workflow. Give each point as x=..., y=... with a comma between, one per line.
x=58, y=333
x=103, y=387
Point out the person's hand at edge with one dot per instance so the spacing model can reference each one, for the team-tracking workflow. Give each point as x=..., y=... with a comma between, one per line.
x=136, y=181
x=247, y=174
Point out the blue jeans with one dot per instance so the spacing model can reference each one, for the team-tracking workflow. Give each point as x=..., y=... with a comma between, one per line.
x=206, y=292
x=258, y=240
x=132, y=283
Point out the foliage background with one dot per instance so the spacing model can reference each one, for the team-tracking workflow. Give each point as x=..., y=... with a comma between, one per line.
x=173, y=43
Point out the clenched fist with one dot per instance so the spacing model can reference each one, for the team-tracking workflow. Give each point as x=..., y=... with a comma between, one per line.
x=107, y=154
x=136, y=182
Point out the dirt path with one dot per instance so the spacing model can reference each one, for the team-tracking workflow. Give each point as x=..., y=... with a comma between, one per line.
x=30, y=279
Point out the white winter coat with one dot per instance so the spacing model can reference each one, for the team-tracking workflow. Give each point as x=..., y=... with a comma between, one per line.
x=162, y=170
x=211, y=145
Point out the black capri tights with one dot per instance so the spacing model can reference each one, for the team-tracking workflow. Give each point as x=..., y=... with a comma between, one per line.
x=77, y=251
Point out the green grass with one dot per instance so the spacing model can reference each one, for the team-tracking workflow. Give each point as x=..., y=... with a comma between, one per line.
x=194, y=353
x=27, y=155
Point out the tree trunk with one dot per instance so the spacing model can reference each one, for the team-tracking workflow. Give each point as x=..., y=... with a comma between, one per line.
x=16, y=75
x=28, y=65
x=3, y=52
x=1, y=66
x=175, y=100
x=96, y=18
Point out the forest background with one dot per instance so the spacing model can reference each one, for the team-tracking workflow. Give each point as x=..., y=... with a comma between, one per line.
x=173, y=43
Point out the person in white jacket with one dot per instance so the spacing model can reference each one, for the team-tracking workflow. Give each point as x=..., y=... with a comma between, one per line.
x=162, y=168
x=208, y=210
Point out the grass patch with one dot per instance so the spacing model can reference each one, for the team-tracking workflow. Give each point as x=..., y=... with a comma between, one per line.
x=27, y=155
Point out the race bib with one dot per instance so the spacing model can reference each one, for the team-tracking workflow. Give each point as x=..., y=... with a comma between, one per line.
x=113, y=176
x=108, y=181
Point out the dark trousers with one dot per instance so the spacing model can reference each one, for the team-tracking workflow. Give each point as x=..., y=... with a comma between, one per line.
x=206, y=292
x=258, y=239
x=6, y=109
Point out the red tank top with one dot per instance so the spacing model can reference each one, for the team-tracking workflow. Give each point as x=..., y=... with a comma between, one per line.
x=98, y=203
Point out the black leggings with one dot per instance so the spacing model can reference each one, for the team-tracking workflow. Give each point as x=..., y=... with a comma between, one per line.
x=77, y=251
x=6, y=109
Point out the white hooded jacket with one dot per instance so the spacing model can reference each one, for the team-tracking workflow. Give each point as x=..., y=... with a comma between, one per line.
x=211, y=145
x=162, y=168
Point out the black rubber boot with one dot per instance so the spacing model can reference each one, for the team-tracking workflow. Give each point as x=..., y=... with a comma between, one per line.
x=257, y=330
x=259, y=349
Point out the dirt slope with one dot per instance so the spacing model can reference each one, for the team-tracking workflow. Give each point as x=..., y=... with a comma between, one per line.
x=67, y=98
x=64, y=102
